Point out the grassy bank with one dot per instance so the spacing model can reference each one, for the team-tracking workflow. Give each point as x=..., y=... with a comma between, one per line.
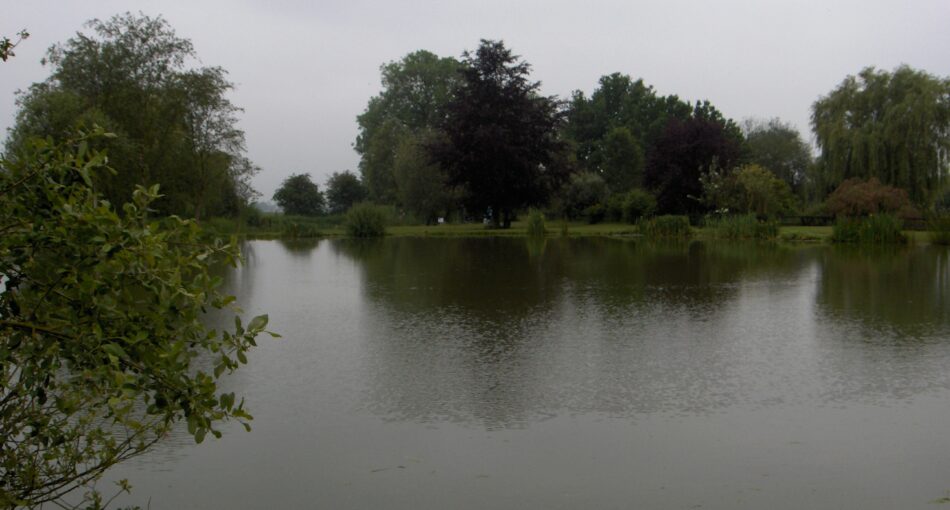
x=278, y=226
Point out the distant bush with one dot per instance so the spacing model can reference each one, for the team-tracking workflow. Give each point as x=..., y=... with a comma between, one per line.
x=748, y=189
x=665, y=226
x=638, y=203
x=535, y=223
x=614, y=207
x=253, y=216
x=366, y=220
x=940, y=230
x=854, y=198
x=742, y=227
x=875, y=229
x=585, y=190
x=595, y=213
x=293, y=230
x=816, y=209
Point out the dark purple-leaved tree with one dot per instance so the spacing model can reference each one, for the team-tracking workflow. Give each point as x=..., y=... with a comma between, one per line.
x=685, y=150
x=500, y=138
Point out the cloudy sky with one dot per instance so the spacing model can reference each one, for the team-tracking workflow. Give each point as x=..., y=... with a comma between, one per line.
x=305, y=69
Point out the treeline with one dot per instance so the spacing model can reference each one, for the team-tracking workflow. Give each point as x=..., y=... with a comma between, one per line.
x=474, y=137
x=172, y=124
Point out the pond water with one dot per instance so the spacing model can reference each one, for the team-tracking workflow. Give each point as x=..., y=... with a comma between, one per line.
x=581, y=373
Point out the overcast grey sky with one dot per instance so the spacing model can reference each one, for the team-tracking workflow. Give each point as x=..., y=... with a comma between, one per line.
x=304, y=70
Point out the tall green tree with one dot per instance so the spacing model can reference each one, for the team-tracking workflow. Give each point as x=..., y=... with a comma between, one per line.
x=298, y=194
x=894, y=126
x=622, y=160
x=613, y=128
x=778, y=147
x=415, y=92
x=343, y=190
x=174, y=125
x=103, y=343
x=421, y=185
x=500, y=136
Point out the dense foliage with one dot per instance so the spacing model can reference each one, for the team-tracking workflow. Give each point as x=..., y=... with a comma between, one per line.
x=613, y=128
x=477, y=118
x=101, y=325
x=174, y=124
x=415, y=93
x=298, y=194
x=583, y=191
x=891, y=126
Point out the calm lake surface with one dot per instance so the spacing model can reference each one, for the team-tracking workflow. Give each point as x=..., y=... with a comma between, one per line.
x=585, y=373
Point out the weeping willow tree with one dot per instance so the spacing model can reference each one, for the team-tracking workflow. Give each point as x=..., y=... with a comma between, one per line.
x=892, y=126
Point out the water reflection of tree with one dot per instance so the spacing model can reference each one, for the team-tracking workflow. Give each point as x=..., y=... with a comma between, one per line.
x=694, y=276
x=300, y=247
x=482, y=328
x=883, y=288
x=885, y=324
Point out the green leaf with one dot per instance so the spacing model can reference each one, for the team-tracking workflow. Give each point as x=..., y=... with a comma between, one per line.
x=257, y=324
x=114, y=350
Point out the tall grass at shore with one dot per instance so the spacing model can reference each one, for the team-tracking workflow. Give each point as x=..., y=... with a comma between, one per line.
x=873, y=229
x=535, y=224
x=366, y=220
x=274, y=225
x=665, y=227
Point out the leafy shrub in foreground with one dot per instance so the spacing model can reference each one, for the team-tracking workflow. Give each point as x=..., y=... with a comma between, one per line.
x=103, y=343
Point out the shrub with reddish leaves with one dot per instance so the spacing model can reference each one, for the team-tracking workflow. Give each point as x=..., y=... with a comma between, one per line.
x=856, y=197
